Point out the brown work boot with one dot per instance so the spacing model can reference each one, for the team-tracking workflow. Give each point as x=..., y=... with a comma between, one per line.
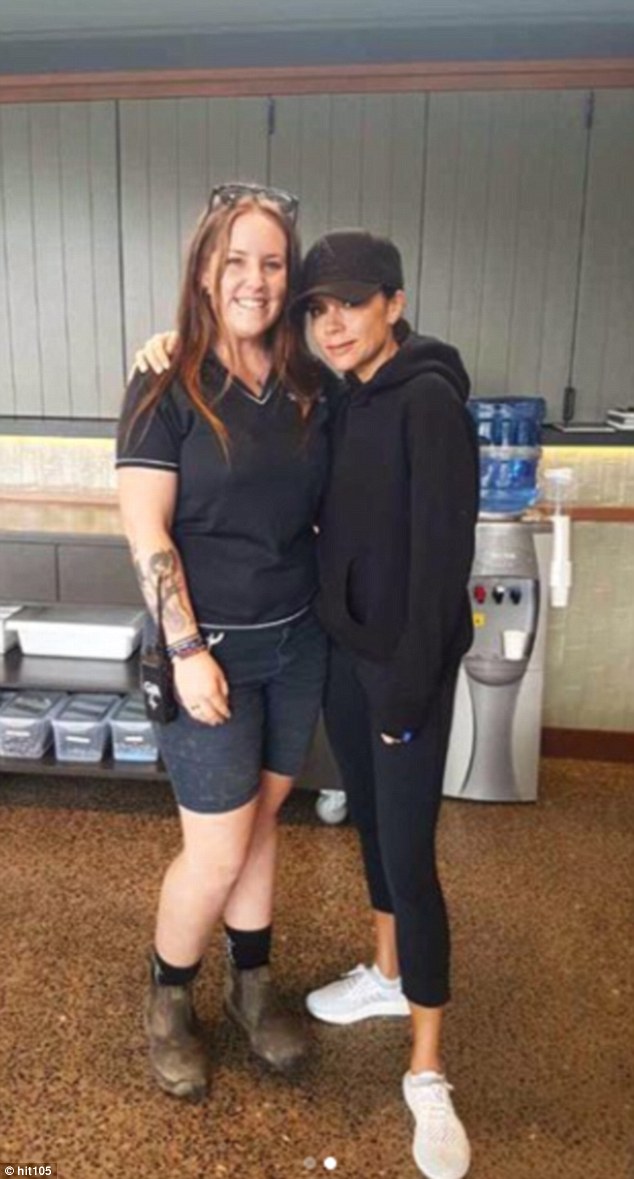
x=177, y=1056
x=277, y=1036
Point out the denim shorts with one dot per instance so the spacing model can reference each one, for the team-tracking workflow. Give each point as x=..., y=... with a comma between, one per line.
x=276, y=676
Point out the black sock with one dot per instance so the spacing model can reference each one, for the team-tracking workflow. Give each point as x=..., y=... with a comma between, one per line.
x=172, y=976
x=249, y=948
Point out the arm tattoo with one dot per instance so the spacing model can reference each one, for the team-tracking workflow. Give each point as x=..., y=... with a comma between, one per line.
x=164, y=564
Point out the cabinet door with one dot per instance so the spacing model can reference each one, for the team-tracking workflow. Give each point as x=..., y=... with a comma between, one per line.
x=603, y=372
x=502, y=215
x=27, y=572
x=60, y=307
x=100, y=575
x=172, y=153
x=355, y=159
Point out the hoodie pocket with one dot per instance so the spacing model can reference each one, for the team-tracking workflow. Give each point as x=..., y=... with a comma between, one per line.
x=358, y=590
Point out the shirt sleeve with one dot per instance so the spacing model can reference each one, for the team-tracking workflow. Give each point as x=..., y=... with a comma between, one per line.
x=148, y=437
x=443, y=472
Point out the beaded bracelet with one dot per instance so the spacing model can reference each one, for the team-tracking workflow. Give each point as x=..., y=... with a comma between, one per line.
x=183, y=648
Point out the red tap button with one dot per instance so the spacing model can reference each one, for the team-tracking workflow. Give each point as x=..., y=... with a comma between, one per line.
x=480, y=594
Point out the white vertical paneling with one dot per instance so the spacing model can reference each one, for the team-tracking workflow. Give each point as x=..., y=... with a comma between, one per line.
x=301, y=154
x=106, y=231
x=172, y=153
x=87, y=172
x=192, y=140
x=565, y=217
x=164, y=230
x=19, y=260
x=440, y=200
x=48, y=233
x=604, y=354
x=355, y=160
x=504, y=166
x=549, y=212
x=135, y=225
x=408, y=135
x=7, y=382
x=376, y=163
x=80, y=300
x=60, y=259
x=501, y=216
x=347, y=160
x=252, y=154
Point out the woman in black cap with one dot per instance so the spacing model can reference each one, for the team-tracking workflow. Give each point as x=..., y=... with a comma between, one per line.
x=396, y=544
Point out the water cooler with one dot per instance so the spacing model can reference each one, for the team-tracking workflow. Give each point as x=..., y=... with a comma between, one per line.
x=494, y=744
x=520, y=563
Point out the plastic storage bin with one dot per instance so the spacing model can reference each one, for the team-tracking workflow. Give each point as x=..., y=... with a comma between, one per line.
x=509, y=433
x=26, y=723
x=80, y=632
x=132, y=733
x=81, y=729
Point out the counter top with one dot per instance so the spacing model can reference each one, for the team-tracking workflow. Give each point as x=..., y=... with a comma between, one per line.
x=552, y=436
x=47, y=520
x=61, y=518
x=106, y=428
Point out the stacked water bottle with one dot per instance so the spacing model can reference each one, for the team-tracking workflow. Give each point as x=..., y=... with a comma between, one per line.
x=509, y=433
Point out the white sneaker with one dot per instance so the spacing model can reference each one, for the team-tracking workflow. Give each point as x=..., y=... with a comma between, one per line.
x=363, y=993
x=441, y=1148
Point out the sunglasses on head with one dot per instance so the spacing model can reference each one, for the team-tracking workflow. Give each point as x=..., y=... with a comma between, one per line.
x=231, y=194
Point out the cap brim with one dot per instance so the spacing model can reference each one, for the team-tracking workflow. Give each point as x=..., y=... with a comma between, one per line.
x=347, y=292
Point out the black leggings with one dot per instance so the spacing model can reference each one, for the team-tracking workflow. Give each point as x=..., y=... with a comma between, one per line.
x=394, y=795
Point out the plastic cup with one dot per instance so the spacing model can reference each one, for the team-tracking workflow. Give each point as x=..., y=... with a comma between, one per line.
x=514, y=644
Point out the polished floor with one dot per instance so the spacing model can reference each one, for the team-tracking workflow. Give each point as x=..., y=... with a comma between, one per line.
x=540, y=1034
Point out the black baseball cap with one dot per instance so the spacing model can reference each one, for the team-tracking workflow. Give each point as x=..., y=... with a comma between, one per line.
x=351, y=265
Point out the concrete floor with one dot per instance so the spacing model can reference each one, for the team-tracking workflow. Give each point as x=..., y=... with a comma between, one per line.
x=539, y=1035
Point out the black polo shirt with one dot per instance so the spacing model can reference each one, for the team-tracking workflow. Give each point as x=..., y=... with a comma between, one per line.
x=244, y=525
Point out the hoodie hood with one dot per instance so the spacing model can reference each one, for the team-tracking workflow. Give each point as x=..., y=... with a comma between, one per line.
x=416, y=356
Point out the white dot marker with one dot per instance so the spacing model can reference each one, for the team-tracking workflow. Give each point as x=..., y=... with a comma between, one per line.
x=330, y=1163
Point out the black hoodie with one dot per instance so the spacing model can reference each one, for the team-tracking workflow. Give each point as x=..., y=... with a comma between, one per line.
x=398, y=526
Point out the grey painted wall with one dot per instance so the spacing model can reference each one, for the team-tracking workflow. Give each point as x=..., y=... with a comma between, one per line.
x=60, y=279
x=604, y=348
x=515, y=220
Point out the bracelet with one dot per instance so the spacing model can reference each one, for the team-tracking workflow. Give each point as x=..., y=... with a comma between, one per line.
x=183, y=648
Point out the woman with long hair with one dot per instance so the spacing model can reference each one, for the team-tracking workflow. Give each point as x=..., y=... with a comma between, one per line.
x=221, y=466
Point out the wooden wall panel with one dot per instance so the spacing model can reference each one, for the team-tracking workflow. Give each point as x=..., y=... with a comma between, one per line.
x=501, y=232
x=301, y=159
x=604, y=357
x=59, y=269
x=355, y=160
x=172, y=153
x=19, y=265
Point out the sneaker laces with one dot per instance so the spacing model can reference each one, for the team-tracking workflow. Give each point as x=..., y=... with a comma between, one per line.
x=432, y=1101
x=359, y=976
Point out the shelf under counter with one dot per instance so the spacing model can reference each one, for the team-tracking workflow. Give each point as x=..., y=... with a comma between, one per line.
x=108, y=768
x=54, y=673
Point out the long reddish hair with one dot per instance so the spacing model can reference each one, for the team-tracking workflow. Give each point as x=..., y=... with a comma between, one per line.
x=200, y=326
